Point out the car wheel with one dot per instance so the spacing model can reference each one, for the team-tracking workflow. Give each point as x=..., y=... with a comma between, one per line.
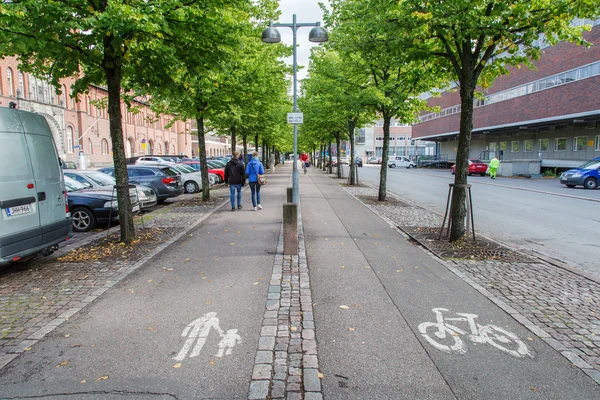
x=191, y=187
x=392, y=165
x=83, y=219
x=570, y=186
x=590, y=183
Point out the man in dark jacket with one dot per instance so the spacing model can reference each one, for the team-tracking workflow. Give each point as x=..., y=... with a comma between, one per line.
x=235, y=177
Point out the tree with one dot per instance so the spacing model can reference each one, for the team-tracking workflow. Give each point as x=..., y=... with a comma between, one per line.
x=397, y=78
x=473, y=41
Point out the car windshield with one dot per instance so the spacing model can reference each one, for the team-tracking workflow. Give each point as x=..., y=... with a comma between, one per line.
x=185, y=168
x=72, y=185
x=592, y=164
x=100, y=178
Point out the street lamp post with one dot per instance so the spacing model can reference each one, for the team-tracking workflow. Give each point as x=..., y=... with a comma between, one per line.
x=317, y=35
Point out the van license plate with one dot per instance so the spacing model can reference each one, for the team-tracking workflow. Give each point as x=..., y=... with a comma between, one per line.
x=11, y=211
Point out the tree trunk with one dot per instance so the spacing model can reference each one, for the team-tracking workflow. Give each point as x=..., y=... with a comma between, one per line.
x=245, y=142
x=351, y=126
x=256, y=143
x=202, y=155
x=320, y=160
x=385, y=156
x=112, y=69
x=467, y=90
x=330, y=166
x=233, y=134
x=337, y=154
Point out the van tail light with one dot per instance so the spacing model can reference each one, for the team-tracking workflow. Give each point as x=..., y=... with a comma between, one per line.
x=66, y=202
x=169, y=180
x=30, y=186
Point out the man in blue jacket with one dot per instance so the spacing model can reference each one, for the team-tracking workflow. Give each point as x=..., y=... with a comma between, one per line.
x=236, y=179
x=253, y=170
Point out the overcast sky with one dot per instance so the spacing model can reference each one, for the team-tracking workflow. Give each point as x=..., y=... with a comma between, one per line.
x=307, y=11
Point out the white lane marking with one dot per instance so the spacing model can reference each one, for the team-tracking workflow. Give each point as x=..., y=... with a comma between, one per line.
x=485, y=334
x=198, y=330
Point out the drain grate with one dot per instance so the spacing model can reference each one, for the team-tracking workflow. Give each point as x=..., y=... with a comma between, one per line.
x=465, y=249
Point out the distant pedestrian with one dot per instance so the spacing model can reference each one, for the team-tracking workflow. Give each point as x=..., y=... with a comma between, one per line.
x=236, y=179
x=253, y=170
x=494, y=164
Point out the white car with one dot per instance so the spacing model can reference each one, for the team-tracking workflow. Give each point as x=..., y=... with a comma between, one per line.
x=153, y=160
x=100, y=180
x=400, y=161
x=345, y=160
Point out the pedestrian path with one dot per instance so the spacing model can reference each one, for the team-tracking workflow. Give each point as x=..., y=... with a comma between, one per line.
x=392, y=322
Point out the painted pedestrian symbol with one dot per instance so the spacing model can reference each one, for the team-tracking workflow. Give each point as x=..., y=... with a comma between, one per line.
x=436, y=332
x=198, y=330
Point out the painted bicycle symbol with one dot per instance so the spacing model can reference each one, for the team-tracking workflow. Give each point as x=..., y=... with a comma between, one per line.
x=446, y=337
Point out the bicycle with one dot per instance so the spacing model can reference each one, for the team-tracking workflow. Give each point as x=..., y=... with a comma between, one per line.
x=484, y=334
x=304, y=167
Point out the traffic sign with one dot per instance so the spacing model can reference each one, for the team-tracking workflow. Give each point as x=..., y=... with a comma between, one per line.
x=295, y=118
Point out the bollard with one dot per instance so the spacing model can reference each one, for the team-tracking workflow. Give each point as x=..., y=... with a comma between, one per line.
x=290, y=229
x=290, y=195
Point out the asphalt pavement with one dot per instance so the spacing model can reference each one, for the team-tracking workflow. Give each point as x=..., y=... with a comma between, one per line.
x=361, y=313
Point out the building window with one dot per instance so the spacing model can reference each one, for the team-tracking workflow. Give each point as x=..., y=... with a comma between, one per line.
x=151, y=145
x=90, y=147
x=9, y=79
x=560, y=144
x=514, y=146
x=528, y=145
x=21, y=90
x=104, y=146
x=64, y=97
x=69, y=140
x=503, y=146
x=580, y=143
x=597, y=147
x=544, y=144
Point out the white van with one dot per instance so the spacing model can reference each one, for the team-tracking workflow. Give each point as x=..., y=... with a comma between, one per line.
x=34, y=215
x=400, y=161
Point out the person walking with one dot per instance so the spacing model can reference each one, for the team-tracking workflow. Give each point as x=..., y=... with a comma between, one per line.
x=236, y=179
x=253, y=169
x=304, y=159
x=494, y=164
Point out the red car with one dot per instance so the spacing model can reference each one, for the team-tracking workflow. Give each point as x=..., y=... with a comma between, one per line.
x=475, y=167
x=220, y=172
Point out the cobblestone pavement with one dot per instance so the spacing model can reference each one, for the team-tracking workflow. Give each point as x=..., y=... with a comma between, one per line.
x=559, y=306
x=39, y=295
x=286, y=364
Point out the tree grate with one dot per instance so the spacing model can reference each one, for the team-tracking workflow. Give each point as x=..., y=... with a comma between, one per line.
x=464, y=249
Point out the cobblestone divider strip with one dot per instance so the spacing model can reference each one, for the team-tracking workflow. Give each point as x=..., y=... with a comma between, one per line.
x=556, y=304
x=286, y=364
x=24, y=345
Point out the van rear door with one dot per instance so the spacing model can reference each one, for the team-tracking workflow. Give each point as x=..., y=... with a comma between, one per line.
x=49, y=182
x=19, y=214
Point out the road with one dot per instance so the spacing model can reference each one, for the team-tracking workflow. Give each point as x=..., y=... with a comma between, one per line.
x=537, y=214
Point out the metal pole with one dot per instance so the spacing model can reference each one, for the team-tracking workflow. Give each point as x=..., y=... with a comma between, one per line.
x=295, y=194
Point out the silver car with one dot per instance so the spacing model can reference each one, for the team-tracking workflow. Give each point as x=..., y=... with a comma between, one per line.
x=100, y=180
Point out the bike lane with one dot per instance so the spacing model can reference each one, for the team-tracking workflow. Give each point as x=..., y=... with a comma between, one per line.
x=186, y=325
x=374, y=289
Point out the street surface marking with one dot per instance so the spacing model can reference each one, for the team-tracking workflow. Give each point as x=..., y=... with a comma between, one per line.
x=485, y=334
x=198, y=330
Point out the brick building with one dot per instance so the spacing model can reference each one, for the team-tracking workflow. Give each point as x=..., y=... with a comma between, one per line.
x=80, y=126
x=545, y=117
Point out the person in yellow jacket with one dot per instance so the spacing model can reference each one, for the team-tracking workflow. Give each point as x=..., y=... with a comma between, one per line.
x=494, y=164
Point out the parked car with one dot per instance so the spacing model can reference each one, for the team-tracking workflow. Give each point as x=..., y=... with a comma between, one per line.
x=475, y=167
x=164, y=180
x=374, y=160
x=34, y=217
x=218, y=172
x=154, y=160
x=358, y=161
x=68, y=165
x=333, y=160
x=100, y=180
x=90, y=207
x=192, y=179
x=586, y=175
x=400, y=161
x=345, y=160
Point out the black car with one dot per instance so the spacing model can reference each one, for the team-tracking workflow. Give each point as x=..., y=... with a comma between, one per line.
x=90, y=207
x=358, y=161
x=165, y=181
